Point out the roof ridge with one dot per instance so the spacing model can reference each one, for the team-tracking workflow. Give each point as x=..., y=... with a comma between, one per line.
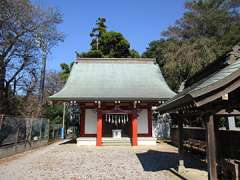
x=118, y=59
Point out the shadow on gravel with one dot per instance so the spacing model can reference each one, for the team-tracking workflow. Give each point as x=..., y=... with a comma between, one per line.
x=158, y=160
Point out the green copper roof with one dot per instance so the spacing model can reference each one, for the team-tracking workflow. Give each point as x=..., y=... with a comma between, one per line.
x=205, y=86
x=115, y=79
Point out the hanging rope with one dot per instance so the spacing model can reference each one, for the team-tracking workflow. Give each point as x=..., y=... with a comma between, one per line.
x=116, y=119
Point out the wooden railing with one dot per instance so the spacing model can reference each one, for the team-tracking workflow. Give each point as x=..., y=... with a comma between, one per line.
x=228, y=142
x=195, y=145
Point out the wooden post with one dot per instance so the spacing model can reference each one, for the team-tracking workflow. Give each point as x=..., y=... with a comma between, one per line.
x=63, y=121
x=27, y=124
x=1, y=120
x=134, y=129
x=48, y=130
x=30, y=133
x=16, y=139
x=150, y=121
x=82, y=120
x=99, y=128
x=40, y=132
x=211, y=153
x=180, y=144
x=53, y=134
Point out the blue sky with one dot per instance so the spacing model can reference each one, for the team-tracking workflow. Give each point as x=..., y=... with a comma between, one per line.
x=140, y=21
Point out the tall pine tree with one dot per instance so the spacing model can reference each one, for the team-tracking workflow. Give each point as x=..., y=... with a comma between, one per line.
x=107, y=43
x=208, y=29
x=97, y=32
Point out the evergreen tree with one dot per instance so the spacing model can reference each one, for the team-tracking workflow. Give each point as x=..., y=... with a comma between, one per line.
x=97, y=32
x=113, y=44
x=107, y=43
x=134, y=54
x=207, y=30
x=66, y=69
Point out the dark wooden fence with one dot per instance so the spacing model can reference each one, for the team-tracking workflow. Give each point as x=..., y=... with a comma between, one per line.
x=228, y=142
x=18, y=134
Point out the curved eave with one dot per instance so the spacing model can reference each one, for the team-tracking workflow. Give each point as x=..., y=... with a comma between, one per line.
x=107, y=80
x=195, y=96
x=109, y=99
x=171, y=106
x=215, y=86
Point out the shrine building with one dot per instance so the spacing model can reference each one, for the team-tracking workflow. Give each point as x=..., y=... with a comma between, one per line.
x=116, y=97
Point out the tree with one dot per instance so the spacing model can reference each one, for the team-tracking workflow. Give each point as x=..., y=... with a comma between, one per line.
x=97, y=32
x=207, y=30
x=184, y=58
x=217, y=20
x=113, y=44
x=23, y=29
x=156, y=50
x=90, y=54
x=107, y=43
x=207, y=18
x=66, y=69
x=54, y=112
x=53, y=83
x=134, y=54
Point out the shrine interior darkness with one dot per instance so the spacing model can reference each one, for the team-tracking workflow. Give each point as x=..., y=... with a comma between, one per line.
x=108, y=126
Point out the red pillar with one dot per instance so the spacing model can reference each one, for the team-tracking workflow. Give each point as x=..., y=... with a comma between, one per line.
x=99, y=129
x=134, y=130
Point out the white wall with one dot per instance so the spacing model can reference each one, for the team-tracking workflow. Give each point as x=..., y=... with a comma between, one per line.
x=90, y=121
x=232, y=124
x=143, y=121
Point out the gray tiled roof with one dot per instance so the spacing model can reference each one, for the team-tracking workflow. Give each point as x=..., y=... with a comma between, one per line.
x=206, y=85
x=119, y=79
x=219, y=75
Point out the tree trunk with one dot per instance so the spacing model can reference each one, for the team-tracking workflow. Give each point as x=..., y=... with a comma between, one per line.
x=2, y=87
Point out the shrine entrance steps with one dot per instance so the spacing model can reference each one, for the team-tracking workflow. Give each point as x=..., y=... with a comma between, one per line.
x=124, y=141
x=109, y=141
x=106, y=141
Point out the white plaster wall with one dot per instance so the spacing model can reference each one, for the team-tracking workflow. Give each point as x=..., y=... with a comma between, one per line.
x=232, y=124
x=143, y=121
x=90, y=121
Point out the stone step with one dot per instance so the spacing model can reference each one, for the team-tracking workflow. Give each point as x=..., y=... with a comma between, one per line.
x=116, y=142
x=108, y=141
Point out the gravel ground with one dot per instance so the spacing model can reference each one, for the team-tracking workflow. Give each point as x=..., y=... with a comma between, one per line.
x=69, y=161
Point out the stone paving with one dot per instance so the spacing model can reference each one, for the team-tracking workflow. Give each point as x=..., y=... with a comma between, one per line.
x=69, y=161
